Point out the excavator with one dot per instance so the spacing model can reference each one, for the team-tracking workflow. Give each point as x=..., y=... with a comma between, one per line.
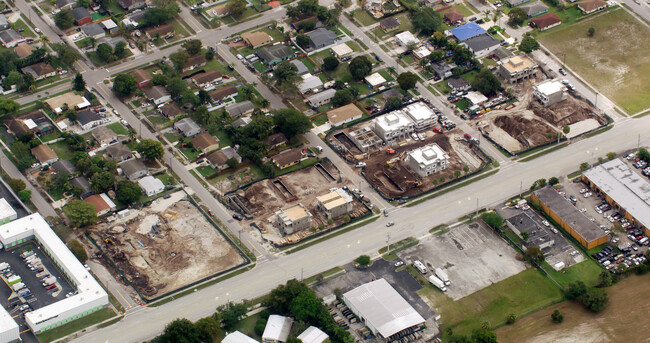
x=390, y=151
x=109, y=241
x=413, y=183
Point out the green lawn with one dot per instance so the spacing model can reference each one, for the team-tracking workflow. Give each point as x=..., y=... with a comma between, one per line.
x=118, y=128
x=214, y=64
x=354, y=46
x=62, y=150
x=20, y=24
x=191, y=154
x=165, y=178
x=364, y=17
x=586, y=271
x=615, y=60
x=405, y=24
x=172, y=137
x=159, y=121
x=386, y=75
x=442, y=87
x=461, y=8
x=76, y=325
x=206, y=171
x=275, y=34
x=518, y=294
x=224, y=139
x=319, y=119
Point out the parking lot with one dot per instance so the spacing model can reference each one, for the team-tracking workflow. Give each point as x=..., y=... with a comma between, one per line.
x=40, y=297
x=471, y=254
x=559, y=251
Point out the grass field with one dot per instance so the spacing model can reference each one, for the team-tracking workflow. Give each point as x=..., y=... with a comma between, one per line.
x=76, y=325
x=615, y=324
x=519, y=294
x=585, y=271
x=118, y=128
x=364, y=17
x=615, y=60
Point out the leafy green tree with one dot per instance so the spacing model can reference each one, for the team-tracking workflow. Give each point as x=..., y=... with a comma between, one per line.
x=128, y=192
x=553, y=181
x=407, y=80
x=179, y=331
x=236, y=8
x=64, y=19
x=78, y=83
x=176, y=86
x=493, y=219
x=363, y=260
x=486, y=83
x=25, y=195
x=192, y=46
x=462, y=55
x=517, y=16
x=17, y=185
x=360, y=67
x=80, y=213
x=575, y=290
x=330, y=63
x=644, y=154
x=528, y=44
x=259, y=128
x=150, y=149
x=595, y=299
x=291, y=122
x=605, y=279
x=285, y=73
x=557, y=316
x=611, y=155
x=208, y=327
x=78, y=250
x=65, y=53
x=161, y=12
x=22, y=154
x=393, y=103
x=302, y=40
x=179, y=59
x=591, y=31
x=427, y=21
x=534, y=254
x=83, y=3
x=342, y=97
x=231, y=314
x=293, y=340
x=209, y=55
x=232, y=162
x=125, y=85
x=584, y=166
x=512, y=318
x=105, y=52
x=484, y=336
x=120, y=50
x=525, y=236
x=101, y=182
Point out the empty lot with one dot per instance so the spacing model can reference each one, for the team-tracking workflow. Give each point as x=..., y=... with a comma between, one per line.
x=473, y=256
x=615, y=60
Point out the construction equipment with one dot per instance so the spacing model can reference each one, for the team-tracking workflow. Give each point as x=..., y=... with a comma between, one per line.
x=109, y=241
x=414, y=183
x=390, y=151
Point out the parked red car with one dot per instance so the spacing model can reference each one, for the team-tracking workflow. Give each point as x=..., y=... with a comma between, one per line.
x=50, y=287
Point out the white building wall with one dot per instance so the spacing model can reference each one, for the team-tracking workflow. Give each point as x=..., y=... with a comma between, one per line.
x=9, y=331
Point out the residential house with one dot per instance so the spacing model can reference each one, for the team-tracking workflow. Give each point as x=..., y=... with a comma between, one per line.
x=321, y=38
x=119, y=152
x=70, y=99
x=442, y=69
x=421, y=115
x=482, y=45
x=405, y=38
x=30, y=123
x=393, y=126
x=515, y=3
x=591, y=6
x=88, y=119
x=310, y=84
x=344, y=114
x=94, y=30
x=313, y=335
x=223, y=94
x=219, y=159
x=160, y=30
x=130, y=5
x=239, y=109
x=535, y=9
x=275, y=54
x=44, y=154
x=207, y=79
x=241, y=122
x=83, y=185
x=205, y=142
x=517, y=68
x=550, y=92
x=157, y=94
x=501, y=53
x=275, y=140
x=292, y=219
x=151, y=186
x=335, y=204
x=422, y=52
x=142, y=77
x=321, y=98
x=24, y=50
x=453, y=17
x=4, y=24
x=546, y=21
x=375, y=80
x=104, y=135
x=389, y=24
x=64, y=166
x=287, y=158
x=392, y=92
x=456, y=84
x=256, y=39
x=103, y=204
x=10, y=38
x=195, y=62
x=65, y=4
x=134, y=169
x=475, y=98
x=427, y=160
x=170, y=110
x=39, y=71
x=467, y=31
x=187, y=127
x=302, y=68
x=81, y=16
x=342, y=51
x=220, y=10
x=110, y=26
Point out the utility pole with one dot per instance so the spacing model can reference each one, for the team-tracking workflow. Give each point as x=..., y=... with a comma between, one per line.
x=521, y=188
x=638, y=142
x=477, y=207
x=388, y=242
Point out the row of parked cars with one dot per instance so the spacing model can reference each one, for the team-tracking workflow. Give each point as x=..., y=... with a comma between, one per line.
x=626, y=258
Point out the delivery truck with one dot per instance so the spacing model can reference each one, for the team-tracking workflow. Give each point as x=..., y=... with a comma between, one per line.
x=442, y=276
x=437, y=282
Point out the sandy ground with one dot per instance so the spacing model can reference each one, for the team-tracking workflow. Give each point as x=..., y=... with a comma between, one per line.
x=582, y=127
x=184, y=247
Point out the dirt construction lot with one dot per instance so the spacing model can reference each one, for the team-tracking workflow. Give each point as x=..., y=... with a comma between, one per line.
x=529, y=124
x=472, y=255
x=181, y=248
x=615, y=60
x=617, y=323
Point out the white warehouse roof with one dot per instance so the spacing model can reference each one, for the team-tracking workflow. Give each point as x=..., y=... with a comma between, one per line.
x=9, y=331
x=383, y=308
x=313, y=335
x=277, y=328
x=238, y=337
x=6, y=211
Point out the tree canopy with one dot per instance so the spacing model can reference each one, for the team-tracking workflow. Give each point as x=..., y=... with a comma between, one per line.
x=179, y=331
x=486, y=83
x=192, y=46
x=80, y=213
x=291, y=122
x=393, y=103
x=125, y=85
x=78, y=83
x=342, y=97
x=236, y=8
x=528, y=44
x=360, y=67
x=64, y=19
x=595, y=299
x=285, y=73
x=493, y=219
x=407, y=80
x=427, y=21
x=128, y=192
x=517, y=16
x=150, y=149
x=78, y=250
x=330, y=63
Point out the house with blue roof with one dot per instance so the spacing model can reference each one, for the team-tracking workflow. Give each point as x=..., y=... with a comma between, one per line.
x=467, y=31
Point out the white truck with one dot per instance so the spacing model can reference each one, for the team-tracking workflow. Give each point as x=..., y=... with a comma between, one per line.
x=437, y=282
x=443, y=276
x=420, y=266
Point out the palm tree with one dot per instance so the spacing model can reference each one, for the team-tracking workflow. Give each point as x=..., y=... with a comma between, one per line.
x=92, y=41
x=132, y=134
x=264, y=103
x=45, y=40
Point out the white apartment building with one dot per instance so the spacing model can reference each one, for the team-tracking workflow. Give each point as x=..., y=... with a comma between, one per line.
x=421, y=115
x=427, y=160
x=393, y=126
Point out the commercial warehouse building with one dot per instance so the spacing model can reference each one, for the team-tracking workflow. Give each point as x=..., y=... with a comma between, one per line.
x=90, y=295
x=383, y=310
x=622, y=188
x=569, y=218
